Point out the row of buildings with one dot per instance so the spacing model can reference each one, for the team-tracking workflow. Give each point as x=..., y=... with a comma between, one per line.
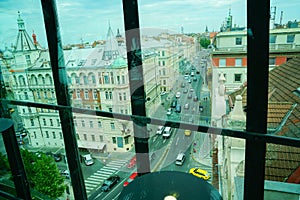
x=98, y=80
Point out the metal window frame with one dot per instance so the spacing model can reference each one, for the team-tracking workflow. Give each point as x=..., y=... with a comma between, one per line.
x=255, y=135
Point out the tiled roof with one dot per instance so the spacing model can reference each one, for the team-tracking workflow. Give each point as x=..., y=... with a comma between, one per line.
x=282, y=161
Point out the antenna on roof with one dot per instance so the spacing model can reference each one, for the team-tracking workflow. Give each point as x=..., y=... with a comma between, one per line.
x=281, y=16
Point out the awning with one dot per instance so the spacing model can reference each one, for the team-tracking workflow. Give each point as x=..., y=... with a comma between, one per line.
x=91, y=145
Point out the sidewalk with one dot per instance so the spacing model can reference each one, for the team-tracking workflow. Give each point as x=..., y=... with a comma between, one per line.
x=201, y=150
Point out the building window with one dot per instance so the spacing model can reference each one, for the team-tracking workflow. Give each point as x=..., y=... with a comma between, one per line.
x=110, y=95
x=45, y=95
x=93, y=137
x=51, y=122
x=54, y=136
x=118, y=80
x=106, y=79
x=126, y=140
x=93, y=79
x=272, y=39
x=238, y=41
x=85, y=137
x=163, y=53
x=82, y=123
x=238, y=62
x=60, y=135
x=34, y=133
x=99, y=124
x=47, y=134
x=38, y=94
x=57, y=122
x=123, y=79
x=44, y=122
x=28, y=61
x=32, y=122
x=124, y=96
x=85, y=80
x=112, y=126
x=78, y=94
x=112, y=78
x=95, y=94
x=110, y=109
x=120, y=96
x=272, y=61
x=114, y=140
x=222, y=62
x=237, y=77
x=101, y=138
x=163, y=63
x=26, y=95
x=91, y=124
x=290, y=39
x=75, y=122
x=86, y=94
x=163, y=72
x=106, y=95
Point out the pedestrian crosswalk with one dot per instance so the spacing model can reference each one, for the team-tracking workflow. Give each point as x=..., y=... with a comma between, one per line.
x=99, y=176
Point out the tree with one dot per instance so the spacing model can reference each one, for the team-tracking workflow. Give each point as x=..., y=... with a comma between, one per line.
x=43, y=174
x=4, y=166
x=204, y=42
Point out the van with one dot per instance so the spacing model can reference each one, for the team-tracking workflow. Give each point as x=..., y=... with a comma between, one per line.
x=160, y=130
x=167, y=132
x=88, y=160
x=180, y=159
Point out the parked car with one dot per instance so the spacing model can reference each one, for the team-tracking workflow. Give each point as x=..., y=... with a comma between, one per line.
x=173, y=104
x=180, y=159
x=201, y=108
x=109, y=183
x=87, y=159
x=185, y=91
x=190, y=95
x=178, y=108
x=177, y=94
x=57, y=157
x=182, y=85
x=160, y=130
x=130, y=179
x=195, y=98
x=186, y=106
x=65, y=173
x=169, y=111
x=200, y=173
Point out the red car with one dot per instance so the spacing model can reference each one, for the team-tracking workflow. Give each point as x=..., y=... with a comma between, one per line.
x=130, y=179
x=132, y=162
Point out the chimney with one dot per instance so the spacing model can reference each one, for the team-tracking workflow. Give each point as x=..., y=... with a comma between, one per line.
x=237, y=114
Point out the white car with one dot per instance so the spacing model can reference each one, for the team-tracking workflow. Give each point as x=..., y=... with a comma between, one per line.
x=177, y=94
x=169, y=111
x=160, y=130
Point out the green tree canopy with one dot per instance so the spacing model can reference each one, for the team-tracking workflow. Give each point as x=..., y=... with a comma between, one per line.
x=204, y=42
x=43, y=174
x=4, y=166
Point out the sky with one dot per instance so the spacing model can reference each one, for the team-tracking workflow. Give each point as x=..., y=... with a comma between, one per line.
x=88, y=20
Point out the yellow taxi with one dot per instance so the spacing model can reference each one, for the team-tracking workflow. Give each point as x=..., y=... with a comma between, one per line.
x=187, y=132
x=200, y=173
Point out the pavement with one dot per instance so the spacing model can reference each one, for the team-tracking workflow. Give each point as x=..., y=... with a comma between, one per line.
x=202, y=149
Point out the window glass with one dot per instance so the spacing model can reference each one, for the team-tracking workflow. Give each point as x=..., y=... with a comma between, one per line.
x=238, y=41
x=192, y=52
